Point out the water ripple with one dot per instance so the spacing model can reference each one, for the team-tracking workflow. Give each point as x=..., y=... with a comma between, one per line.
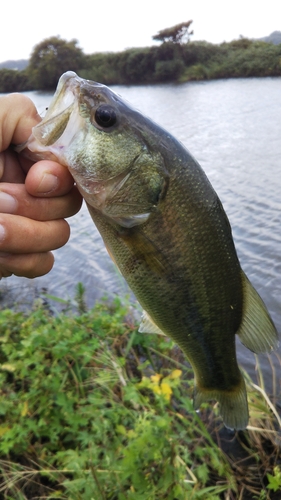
x=233, y=128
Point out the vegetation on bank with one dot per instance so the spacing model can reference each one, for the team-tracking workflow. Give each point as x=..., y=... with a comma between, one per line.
x=91, y=409
x=176, y=59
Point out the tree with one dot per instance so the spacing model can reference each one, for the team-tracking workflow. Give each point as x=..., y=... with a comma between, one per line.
x=52, y=57
x=12, y=80
x=177, y=34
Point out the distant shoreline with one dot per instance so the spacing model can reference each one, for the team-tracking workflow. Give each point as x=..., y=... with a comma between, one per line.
x=168, y=62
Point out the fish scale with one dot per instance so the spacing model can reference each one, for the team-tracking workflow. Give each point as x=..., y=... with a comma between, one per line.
x=166, y=230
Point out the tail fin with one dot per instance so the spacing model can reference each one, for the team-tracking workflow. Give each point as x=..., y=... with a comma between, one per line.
x=233, y=404
x=257, y=331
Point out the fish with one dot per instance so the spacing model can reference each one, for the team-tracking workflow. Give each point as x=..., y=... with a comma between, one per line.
x=166, y=230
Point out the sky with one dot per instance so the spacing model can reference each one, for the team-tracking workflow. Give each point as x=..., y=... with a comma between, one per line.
x=114, y=25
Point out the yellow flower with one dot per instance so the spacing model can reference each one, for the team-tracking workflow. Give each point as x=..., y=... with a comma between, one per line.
x=175, y=374
x=166, y=390
x=160, y=385
x=156, y=378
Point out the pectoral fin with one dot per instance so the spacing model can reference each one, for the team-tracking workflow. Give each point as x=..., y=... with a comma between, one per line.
x=131, y=220
x=257, y=331
x=144, y=250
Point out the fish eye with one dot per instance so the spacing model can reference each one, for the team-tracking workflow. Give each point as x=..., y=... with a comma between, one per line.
x=105, y=116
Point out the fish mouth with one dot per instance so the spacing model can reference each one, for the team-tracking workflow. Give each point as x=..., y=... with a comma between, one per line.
x=63, y=119
x=72, y=92
x=58, y=114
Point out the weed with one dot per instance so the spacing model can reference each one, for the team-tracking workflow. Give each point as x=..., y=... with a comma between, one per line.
x=91, y=409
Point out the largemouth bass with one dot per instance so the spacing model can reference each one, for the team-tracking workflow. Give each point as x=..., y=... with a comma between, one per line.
x=165, y=228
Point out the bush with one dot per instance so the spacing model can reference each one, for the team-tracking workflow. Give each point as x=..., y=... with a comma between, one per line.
x=13, y=81
x=168, y=70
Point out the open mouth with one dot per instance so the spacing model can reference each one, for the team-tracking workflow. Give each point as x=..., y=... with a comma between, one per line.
x=62, y=120
x=58, y=114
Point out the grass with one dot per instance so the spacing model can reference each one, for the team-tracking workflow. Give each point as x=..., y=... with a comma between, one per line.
x=90, y=409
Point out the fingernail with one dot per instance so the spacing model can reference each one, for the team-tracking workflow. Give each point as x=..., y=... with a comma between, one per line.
x=48, y=183
x=2, y=233
x=8, y=204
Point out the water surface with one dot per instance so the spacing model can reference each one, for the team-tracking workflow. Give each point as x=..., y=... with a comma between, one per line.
x=233, y=128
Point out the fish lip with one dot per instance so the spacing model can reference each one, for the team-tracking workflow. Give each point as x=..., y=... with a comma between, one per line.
x=71, y=82
x=58, y=114
x=64, y=95
x=44, y=134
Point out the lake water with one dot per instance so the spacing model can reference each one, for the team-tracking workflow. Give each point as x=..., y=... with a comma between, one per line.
x=233, y=128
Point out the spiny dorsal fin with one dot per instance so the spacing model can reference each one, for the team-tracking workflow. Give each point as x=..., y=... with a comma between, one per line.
x=257, y=331
x=148, y=326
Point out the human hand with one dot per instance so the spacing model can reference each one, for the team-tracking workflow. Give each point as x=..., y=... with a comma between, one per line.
x=34, y=197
